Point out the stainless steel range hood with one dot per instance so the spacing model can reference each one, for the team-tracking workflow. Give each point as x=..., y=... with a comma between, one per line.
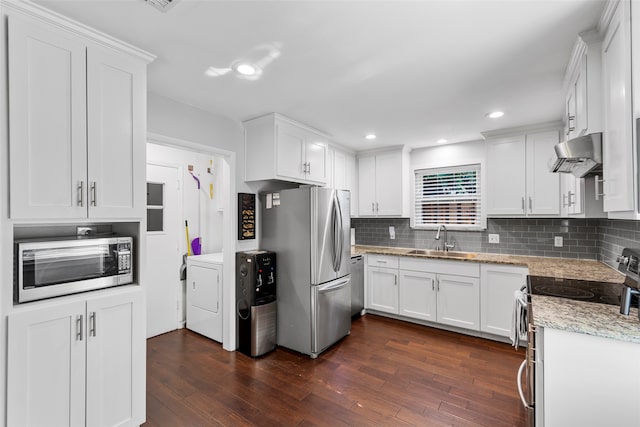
x=580, y=156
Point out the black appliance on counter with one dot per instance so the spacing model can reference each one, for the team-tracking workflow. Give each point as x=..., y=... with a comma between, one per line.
x=623, y=294
x=256, y=302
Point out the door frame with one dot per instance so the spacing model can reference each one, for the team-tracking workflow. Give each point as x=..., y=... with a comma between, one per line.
x=228, y=238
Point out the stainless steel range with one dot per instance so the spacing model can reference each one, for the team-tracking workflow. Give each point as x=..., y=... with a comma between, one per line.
x=625, y=295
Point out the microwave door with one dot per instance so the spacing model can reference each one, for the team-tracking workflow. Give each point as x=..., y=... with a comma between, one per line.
x=44, y=267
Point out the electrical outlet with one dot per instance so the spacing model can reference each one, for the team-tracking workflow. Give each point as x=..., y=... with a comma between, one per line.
x=494, y=238
x=557, y=241
x=392, y=232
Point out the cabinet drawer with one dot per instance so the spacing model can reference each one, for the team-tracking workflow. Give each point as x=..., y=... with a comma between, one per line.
x=382, y=261
x=459, y=268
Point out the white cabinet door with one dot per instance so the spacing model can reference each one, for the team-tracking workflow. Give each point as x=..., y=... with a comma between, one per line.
x=382, y=292
x=459, y=301
x=388, y=183
x=543, y=187
x=204, y=298
x=351, y=171
x=47, y=125
x=498, y=284
x=116, y=91
x=315, y=151
x=367, y=185
x=418, y=298
x=580, y=90
x=116, y=360
x=617, y=149
x=570, y=110
x=290, y=142
x=46, y=366
x=506, y=180
x=340, y=170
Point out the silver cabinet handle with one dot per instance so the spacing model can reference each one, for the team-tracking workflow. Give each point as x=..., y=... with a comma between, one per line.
x=92, y=324
x=373, y=207
x=530, y=204
x=381, y=261
x=308, y=167
x=523, y=204
x=376, y=207
x=433, y=285
x=80, y=190
x=395, y=280
x=438, y=285
x=570, y=195
x=93, y=193
x=569, y=127
x=79, y=327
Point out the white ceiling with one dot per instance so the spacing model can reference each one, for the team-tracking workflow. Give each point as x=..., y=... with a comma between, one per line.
x=411, y=71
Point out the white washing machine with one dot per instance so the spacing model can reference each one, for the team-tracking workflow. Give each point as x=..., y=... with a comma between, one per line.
x=204, y=295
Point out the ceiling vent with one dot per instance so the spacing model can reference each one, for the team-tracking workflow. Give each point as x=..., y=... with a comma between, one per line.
x=162, y=5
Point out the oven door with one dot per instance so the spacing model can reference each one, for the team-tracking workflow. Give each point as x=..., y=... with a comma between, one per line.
x=526, y=374
x=48, y=269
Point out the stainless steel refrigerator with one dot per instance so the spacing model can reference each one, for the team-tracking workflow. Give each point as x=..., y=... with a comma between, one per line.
x=309, y=229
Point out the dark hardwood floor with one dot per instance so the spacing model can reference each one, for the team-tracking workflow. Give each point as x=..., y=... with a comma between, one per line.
x=387, y=373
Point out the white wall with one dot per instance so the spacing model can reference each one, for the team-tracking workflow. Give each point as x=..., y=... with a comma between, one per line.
x=463, y=153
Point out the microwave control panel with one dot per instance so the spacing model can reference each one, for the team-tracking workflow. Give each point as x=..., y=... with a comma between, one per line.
x=124, y=258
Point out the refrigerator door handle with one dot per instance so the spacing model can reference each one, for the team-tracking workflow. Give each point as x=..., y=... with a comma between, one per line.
x=340, y=234
x=333, y=286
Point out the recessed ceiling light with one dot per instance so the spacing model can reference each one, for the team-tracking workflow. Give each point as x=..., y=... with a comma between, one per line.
x=371, y=136
x=246, y=69
x=495, y=114
x=442, y=141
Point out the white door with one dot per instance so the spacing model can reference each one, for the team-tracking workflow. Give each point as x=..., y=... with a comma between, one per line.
x=389, y=183
x=116, y=91
x=316, y=158
x=459, y=301
x=116, y=360
x=46, y=366
x=47, y=121
x=367, y=185
x=204, y=305
x=163, y=256
x=382, y=289
x=418, y=297
x=290, y=151
x=506, y=179
x=543, y=187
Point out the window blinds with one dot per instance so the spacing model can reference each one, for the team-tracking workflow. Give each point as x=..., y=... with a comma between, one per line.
x=449, y=196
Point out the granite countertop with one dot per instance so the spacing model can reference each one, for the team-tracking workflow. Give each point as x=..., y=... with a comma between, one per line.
x=538, y=266
x=589, y=318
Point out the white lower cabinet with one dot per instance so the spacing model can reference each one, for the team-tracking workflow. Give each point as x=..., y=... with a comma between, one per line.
x=458, y=301
x=78, y=363
x=418, y=297
x=498, y=284
x=383, y=289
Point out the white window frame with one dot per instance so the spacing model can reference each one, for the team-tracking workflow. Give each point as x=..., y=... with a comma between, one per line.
x=482, y=218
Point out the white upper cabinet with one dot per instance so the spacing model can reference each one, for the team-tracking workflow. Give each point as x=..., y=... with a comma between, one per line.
x=77, y=125
x=618, y=145
x=518, y=179
x=344, y=175
x=383, y=187
x=279, y=148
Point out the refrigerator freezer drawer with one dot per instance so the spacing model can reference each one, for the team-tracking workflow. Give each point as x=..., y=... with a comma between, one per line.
x=332, y=313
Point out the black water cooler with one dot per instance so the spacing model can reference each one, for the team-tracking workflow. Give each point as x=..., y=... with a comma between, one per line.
x=256, y=302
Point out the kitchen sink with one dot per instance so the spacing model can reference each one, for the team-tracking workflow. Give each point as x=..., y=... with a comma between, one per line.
x=442, y=254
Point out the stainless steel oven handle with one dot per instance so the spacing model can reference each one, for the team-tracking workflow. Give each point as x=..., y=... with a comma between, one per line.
x=526, y=404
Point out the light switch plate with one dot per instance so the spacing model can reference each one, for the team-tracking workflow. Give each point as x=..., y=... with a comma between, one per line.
x=494, y=238
x=558, y=241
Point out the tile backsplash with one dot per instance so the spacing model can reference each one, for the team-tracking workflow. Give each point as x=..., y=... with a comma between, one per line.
x=600, y=239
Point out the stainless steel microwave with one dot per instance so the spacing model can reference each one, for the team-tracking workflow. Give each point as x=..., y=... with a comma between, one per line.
x=62, y=266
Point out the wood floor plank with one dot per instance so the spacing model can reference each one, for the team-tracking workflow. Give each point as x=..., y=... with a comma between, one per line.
x=387, y=373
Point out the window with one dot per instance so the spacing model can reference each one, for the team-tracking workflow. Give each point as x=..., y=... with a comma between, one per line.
x=155, y=207
x=449, y=196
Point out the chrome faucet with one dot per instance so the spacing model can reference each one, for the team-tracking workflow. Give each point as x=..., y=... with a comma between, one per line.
x=446, y=245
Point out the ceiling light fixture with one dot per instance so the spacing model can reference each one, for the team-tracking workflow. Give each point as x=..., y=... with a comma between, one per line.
x=245, y=69
x=495, y=114
x=442, y=141
x=371, y=136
